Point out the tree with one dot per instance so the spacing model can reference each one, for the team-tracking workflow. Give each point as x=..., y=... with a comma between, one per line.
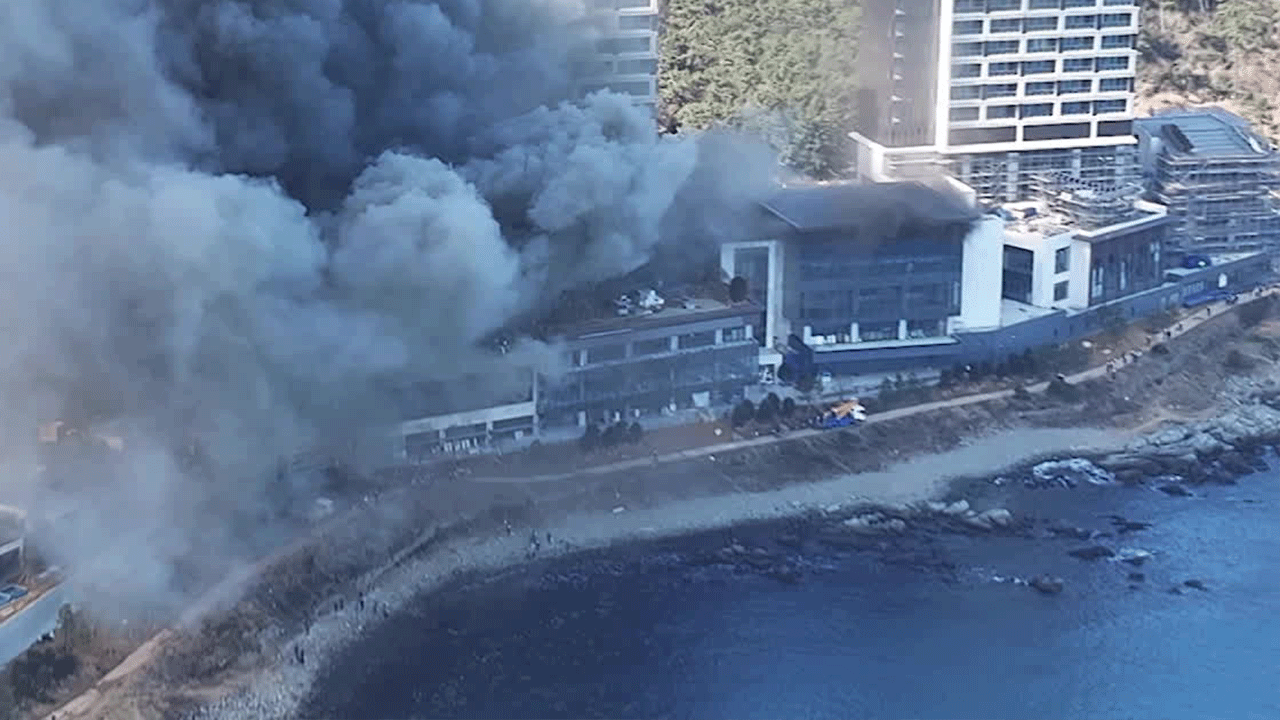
x=743, y=413
x=738, y=289
x=781, y=68
x=635, y=433
x=765, y=413
x=788, y=408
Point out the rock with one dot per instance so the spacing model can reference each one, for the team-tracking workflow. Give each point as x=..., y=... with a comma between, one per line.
x=958, y=507
x=1070, y=531
x=1047, y=584
x=1124, y=525
x=1195, y=584
x=1137, y=576
x=1174, y=490
x=832, y=509
x=1071, y=471
x=998, y=517
x=1093, y=552
x=1175, y=590
x=936, y=507
x=1134, y=556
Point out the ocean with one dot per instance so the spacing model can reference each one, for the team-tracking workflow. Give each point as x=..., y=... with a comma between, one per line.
x=925, y=626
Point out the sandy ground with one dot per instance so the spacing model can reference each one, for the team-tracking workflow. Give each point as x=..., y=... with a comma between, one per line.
x=279, y=691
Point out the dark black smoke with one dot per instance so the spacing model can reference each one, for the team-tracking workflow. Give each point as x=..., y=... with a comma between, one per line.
x=234, y=221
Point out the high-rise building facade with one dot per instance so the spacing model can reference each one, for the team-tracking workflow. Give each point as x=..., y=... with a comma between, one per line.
x=997, y=92
x=624, y=54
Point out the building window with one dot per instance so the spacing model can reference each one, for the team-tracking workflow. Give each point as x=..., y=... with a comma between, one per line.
x=620, y=45
x=635, y=22
x=735, y=334
x=1110, y=20
x=971, y=6
x=1046, y=4
x=966, y=92
x=1077, y=65
x=1079, y=107
x=1120, y=84
x=1081, y=22
x=1037, y=110
x=1077, y=43
x=1074, y=87
x=1038, y=67
x=871, y=332
x=1001, y=47
x=1006, y=25
x=1039, y=45
x=966, y=70
x=1038, y=24
x=1003, y=111
x=1062, y=260
x=1002, y=68
x=655, y=346
x=689, y=341
x=966, y=49
x=1112, y=62
x=1102, y=107
x=964, y=114
x=966, y=27
x=1060, y=291
x=1078, y=3
x=1044, y=87
x=1000, y=90
x=606, y=353
x=1118, y=42
x=1003, y=5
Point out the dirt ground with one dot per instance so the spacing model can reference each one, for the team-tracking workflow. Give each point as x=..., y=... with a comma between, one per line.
x=194, y=666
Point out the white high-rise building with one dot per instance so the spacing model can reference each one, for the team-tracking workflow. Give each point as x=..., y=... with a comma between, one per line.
x=996, y=92
x=625, y=57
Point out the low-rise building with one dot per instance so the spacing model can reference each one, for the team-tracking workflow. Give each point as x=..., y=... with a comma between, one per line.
x=13, y=532
x=1220, y=180
x=865, y=277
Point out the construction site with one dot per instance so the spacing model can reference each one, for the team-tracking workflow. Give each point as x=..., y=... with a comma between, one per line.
x=1219, y=179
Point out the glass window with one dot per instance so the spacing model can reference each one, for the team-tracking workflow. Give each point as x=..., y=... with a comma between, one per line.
x=606, y=353
x=1116, y=20
x=698, y=339
x=1006, y=25
x=964, y=114
x=966, y=92
x=1035, y=45
x=1081, y=22
x=1036, y=24
x=1117, y=42
x=966, y=27
x=1037, y=110
x=1040, y=88
x=1000, y=90
x=650, y=347
x=1120, y=84
x=1071, y=87
x=1002, y=68
x=635, y=22
x=971, y=6
x=966, y=70
x=1038, y=67
x=1002, y=5
x=1045, y=4
x=1078, y=3
x=1109, y=106
x=1077, y=108
x=637, y=67
x=966, y=49
x=1062, y=260
x=1060, y=291
x=1003, y=111
x=1077, y=65
x=1113, y=63
x=614, y=46
x=1077, y=43
x=1001, y=47
x=735, y=334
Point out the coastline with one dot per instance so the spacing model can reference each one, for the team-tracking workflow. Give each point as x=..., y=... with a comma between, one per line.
x=280, y=691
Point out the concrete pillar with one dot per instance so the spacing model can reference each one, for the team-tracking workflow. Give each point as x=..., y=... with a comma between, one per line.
x=1011, y=175
x=902, y=329
x=853, y=332
x=807, y=335
x=751, y=332
x=675, y=342
x=719, y=336
x=1077, y=161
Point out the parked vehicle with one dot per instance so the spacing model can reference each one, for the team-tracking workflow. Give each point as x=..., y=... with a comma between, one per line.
x=1209, y=296
x=844, y=414
x=9, y=593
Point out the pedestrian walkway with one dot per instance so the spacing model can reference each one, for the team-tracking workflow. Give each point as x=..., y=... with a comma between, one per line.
x=1182, y=327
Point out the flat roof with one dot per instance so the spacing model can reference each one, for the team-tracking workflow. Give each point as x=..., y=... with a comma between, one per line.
x=1205, y=132
x=1013, y=312
x=675, y=313
x=831, y=206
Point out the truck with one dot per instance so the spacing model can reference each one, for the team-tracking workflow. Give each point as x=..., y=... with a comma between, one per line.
x=842, y=414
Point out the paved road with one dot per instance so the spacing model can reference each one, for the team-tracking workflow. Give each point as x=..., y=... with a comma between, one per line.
x=1197, y=318
x=34, y=621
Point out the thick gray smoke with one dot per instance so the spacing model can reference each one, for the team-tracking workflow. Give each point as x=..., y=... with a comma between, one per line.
x=232, y=221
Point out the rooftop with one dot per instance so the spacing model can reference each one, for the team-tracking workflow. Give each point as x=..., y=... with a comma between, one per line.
x=677, y=310
x=1013, y=312
x=1205, y=132
x=831, y=206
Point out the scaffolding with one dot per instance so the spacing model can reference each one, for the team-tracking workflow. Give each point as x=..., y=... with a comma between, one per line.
x=1091, y=204
x=1221, y=202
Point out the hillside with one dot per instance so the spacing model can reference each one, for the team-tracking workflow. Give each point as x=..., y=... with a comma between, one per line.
x=1224, y=52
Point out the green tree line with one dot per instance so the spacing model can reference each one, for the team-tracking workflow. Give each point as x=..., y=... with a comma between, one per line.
x=782, y=68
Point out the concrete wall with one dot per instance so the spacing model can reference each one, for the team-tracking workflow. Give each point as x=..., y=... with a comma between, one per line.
x=981, y=276
x=23, y=629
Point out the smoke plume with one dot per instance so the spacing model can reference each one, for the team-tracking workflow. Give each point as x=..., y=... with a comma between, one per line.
x=226, y=224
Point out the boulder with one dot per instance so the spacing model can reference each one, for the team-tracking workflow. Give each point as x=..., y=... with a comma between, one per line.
x=959, y=507
x=1133, y=556
x=1093, y=552
x=1047, y=584
x=1175, y=490
x=998, y=517
x=1072, y=472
